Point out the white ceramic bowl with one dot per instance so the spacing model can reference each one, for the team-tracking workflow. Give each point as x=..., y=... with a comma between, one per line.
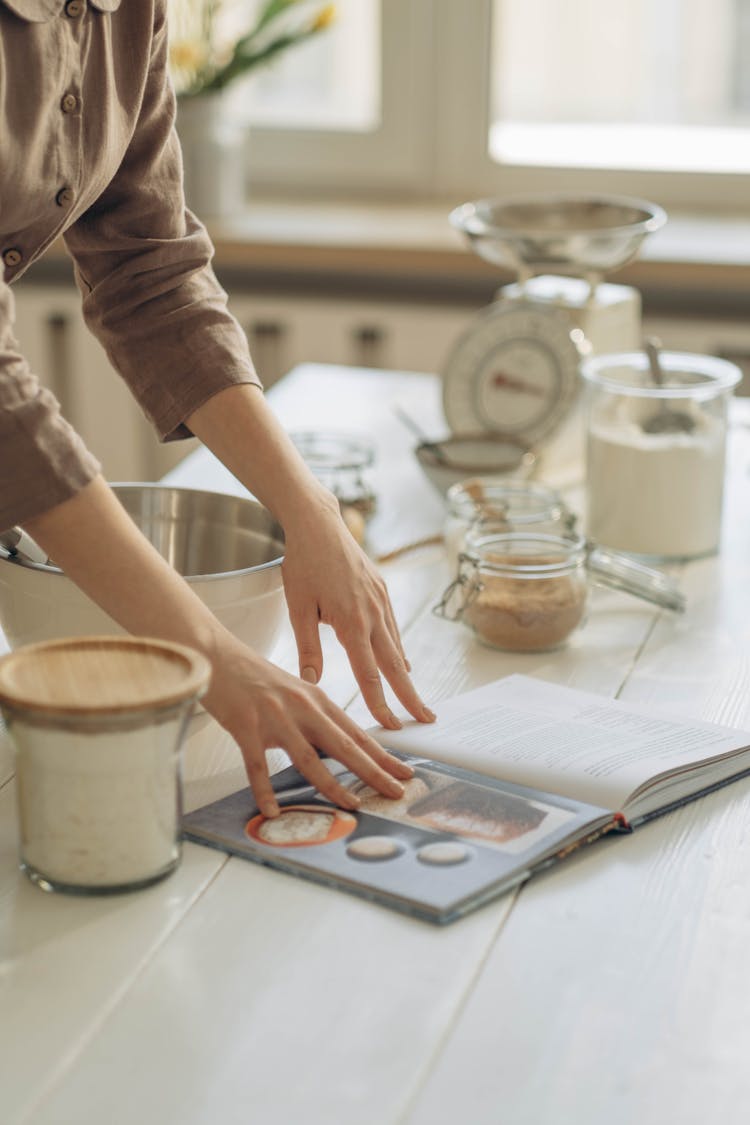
x=462, y=456
x=228, y=548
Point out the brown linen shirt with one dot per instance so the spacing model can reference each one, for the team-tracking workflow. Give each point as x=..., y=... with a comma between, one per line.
x=88, y=150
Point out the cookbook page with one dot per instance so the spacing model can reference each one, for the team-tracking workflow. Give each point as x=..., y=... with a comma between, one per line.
x=561, y=740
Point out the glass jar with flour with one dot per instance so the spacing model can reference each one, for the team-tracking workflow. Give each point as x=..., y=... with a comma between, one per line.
x=656, y=452
x=97, y=724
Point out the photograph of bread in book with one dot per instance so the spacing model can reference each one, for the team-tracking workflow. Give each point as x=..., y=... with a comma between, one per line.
x=464, y=808
x=511, y=779
x=301, y=826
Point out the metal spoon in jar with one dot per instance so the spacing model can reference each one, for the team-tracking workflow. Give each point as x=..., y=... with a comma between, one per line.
x=666, y=420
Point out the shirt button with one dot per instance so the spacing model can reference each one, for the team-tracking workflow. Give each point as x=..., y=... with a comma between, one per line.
x=69, y=103
x=12, y=257
x=65, y=197
x=74, y=8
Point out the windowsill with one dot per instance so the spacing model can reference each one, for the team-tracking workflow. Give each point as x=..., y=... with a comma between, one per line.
x=409, y=246
x=695, y=263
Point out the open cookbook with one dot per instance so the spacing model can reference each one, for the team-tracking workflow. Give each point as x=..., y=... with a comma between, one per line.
x=511, y=778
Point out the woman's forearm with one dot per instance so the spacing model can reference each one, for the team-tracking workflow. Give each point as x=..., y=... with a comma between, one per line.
x=240, y=428
x=98, y=546
x=92, y=539
x=327, y=578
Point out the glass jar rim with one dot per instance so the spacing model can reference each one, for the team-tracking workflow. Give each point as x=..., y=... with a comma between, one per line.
x=546, y=500
x=712, y=375
x=604, y=567
x=334, y=449
x=572, y=552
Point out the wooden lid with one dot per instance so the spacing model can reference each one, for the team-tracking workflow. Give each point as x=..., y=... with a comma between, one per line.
x=101, y=675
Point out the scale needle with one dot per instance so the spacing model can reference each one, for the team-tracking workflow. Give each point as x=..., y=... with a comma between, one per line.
x=502, y=379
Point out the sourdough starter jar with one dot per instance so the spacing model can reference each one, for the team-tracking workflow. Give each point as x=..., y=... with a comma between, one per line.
x=528, y=592
x=656, y=453
x=484, y=505
x=97, y=724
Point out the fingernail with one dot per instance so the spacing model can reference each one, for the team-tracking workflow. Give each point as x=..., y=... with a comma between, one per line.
x=395, y=789
x=405, y=770
x=393, y=722
x=350, y=802
x=271, y=811
x=428, y=714
x=309, y=675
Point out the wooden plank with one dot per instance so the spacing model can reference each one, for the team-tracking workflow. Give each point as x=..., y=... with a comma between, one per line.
x=277, y=1000
x=66, y=961
x=619, y=991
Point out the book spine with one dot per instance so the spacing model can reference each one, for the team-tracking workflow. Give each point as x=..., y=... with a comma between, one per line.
x=617, y=824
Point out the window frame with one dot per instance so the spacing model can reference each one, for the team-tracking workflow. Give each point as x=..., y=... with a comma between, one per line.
x=432, y=139
x=395, y=156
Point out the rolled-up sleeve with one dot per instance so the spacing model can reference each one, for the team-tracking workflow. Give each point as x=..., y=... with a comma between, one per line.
x=44, y=461
x=143, y=263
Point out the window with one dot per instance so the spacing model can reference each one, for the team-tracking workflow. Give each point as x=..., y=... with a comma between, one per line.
x=459, y=99
x=331, y=82
x=601, y=93
x=349, y=111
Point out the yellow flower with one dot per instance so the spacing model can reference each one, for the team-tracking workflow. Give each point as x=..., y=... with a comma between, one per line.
x=187, y=55
x=324, y=18
x=212, y=47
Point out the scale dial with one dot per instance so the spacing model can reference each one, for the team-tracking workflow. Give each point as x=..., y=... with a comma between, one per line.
x=513, y=371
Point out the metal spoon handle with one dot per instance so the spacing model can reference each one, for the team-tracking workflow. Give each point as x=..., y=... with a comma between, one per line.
x=419, y=433
x=652, y=346
x=17, y=543
x=410, y=424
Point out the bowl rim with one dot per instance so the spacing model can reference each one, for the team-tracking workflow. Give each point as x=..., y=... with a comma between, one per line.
x=525, y=455
x=466, y=217
x=156, y=486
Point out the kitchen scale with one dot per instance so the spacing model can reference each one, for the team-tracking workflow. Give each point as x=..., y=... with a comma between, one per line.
x=515, y=368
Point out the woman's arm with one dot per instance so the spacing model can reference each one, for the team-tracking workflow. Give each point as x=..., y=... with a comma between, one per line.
x=100, y=549
x=327, y=577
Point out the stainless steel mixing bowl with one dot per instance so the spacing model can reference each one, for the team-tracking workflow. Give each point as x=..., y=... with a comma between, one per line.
x=229, y=549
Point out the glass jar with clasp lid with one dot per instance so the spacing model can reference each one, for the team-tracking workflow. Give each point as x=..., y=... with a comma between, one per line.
x=528, y=592
x=342, y=461
x=485, y=505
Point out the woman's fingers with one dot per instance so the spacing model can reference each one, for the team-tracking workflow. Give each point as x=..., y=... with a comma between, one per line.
x=373, y=749
x=390, y=620
x=260, y=781
x=305, y=624
x=299, y=724
x=373, y=654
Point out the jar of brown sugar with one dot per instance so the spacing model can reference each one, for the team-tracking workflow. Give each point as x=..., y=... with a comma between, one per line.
x=528, y=592
x=483, y=506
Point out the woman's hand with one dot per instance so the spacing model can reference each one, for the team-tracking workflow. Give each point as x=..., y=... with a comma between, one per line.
x=329, y=579
x=100, y=548
x=263, y=707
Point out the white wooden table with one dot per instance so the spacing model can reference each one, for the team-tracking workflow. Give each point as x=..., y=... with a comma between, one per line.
x=615, y=988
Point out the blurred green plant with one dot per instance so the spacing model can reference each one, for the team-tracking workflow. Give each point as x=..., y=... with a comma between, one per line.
x=210, y=47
